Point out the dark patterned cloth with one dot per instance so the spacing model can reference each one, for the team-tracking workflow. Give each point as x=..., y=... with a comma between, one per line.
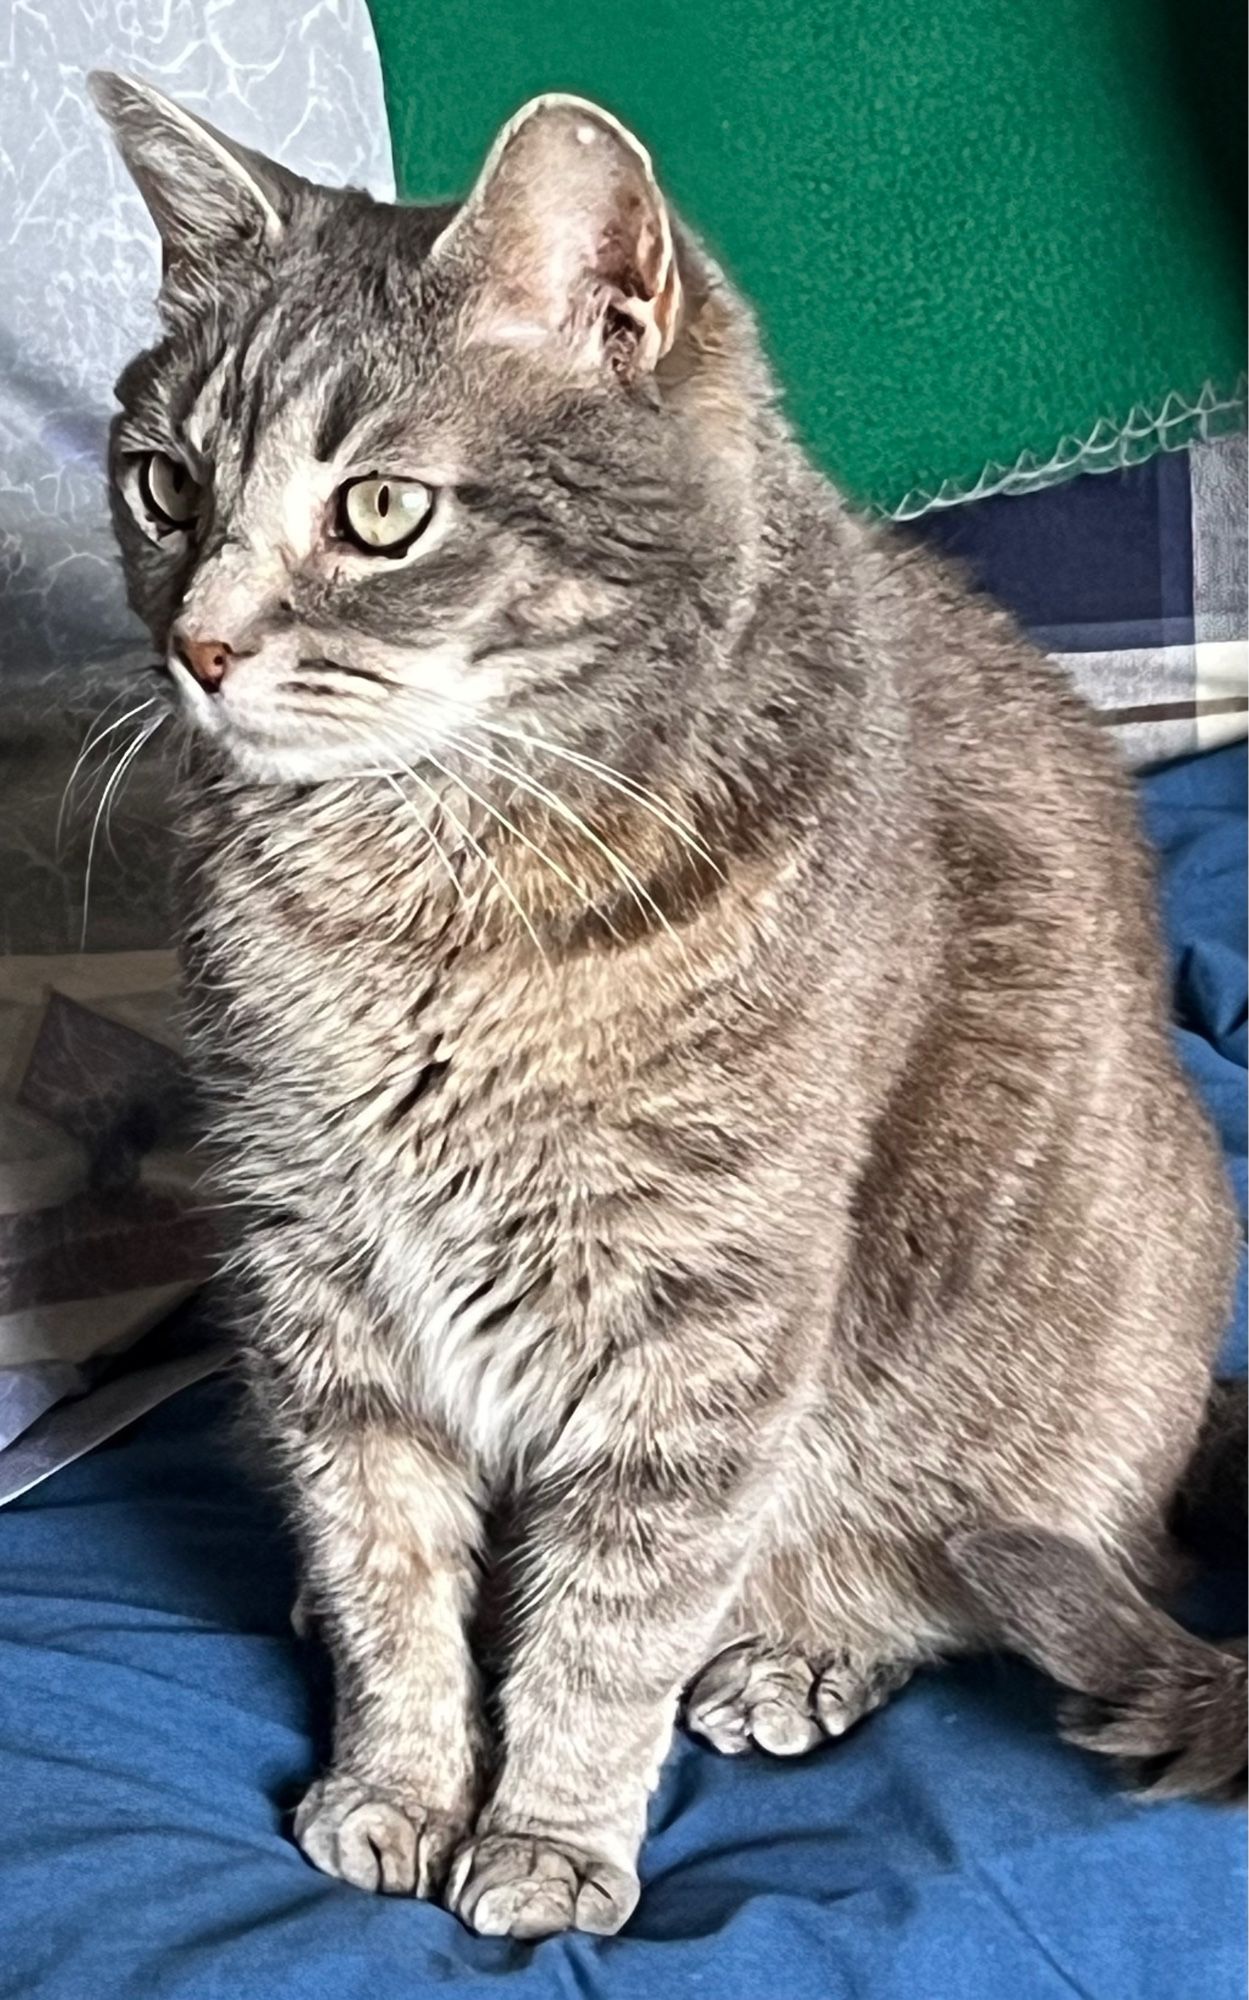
x=102, y=1233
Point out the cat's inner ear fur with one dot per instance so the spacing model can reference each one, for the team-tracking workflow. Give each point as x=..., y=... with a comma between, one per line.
x=572, y=242
x=208, y=196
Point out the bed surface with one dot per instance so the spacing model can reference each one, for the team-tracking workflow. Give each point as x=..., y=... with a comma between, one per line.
x=157, y=1720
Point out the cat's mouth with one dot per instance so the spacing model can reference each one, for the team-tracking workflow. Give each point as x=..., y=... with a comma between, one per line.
x=321, y=666
x=286, y=712
x=274, y=753
x=298, y=721
x=280, y=728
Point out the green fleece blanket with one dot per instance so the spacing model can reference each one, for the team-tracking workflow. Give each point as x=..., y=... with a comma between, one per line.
x=991, y=241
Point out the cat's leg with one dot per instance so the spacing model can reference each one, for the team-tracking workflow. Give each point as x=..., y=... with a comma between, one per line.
x=627, y=1588
x=389, y=1527
x=827, y=1625
x=388, y=1524
x=634, y=1553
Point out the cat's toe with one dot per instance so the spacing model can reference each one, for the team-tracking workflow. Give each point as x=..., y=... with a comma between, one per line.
x=758, y=1695
x=379, y=1841
x=526, y=1886
x=848, y=1689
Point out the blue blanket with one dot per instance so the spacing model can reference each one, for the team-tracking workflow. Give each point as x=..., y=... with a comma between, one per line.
x=157, y=1720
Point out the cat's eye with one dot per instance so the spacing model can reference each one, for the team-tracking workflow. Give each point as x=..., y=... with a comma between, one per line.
x=383, y=516
x=170, y=494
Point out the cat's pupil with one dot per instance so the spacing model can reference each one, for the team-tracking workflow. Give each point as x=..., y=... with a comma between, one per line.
x=383, y=500
x=178, y=478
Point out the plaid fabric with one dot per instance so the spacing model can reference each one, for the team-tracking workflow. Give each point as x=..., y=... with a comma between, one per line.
x=1136, y=582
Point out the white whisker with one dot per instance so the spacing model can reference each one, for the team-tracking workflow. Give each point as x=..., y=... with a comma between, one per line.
x=473, y=842
x=432, y=837
x=579, y=889
x=641, y=895
x=127, y=764
x=629, y=786
x=94, y=737
x=123, y=764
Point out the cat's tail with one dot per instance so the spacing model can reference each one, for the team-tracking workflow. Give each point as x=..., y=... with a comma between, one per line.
x=1142, y=1688
x=1212, y=1507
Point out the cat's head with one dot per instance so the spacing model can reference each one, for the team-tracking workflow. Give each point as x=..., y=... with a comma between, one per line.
x=395, y=474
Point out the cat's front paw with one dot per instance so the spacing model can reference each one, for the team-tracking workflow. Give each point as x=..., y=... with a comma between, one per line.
x=383, y=1841
x=526, y=1885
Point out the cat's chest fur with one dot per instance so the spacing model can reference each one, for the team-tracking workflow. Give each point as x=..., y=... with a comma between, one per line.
x=448, y=1124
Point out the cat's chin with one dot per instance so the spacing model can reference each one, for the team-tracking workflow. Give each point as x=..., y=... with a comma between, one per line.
x=301, y=765
x=273, y=759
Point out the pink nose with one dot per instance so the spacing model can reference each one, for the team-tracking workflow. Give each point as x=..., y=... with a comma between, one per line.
x=208, y=660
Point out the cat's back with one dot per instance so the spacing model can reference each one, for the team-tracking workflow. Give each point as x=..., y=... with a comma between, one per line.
x=1044, y=1146
x=1030, y=804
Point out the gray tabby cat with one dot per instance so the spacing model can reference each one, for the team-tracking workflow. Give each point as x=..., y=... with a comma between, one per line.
x=678, y=986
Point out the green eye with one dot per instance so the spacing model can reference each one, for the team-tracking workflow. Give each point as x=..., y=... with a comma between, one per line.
x=383, y=516
x=169, y=493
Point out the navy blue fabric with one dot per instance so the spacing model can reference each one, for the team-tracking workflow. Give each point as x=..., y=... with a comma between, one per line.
x=1092, y=565
x=157, y=1720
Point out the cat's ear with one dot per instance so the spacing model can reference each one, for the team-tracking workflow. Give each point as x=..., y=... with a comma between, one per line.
x=206, y=195
x=571, y=241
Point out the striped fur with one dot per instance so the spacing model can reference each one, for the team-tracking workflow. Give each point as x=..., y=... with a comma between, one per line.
x=677, y=986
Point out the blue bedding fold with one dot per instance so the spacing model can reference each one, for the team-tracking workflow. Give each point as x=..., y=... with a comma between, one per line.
x=1194, y=813
x=157, y=1719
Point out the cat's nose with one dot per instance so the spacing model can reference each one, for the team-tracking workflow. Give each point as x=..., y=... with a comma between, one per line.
x=207, y=660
